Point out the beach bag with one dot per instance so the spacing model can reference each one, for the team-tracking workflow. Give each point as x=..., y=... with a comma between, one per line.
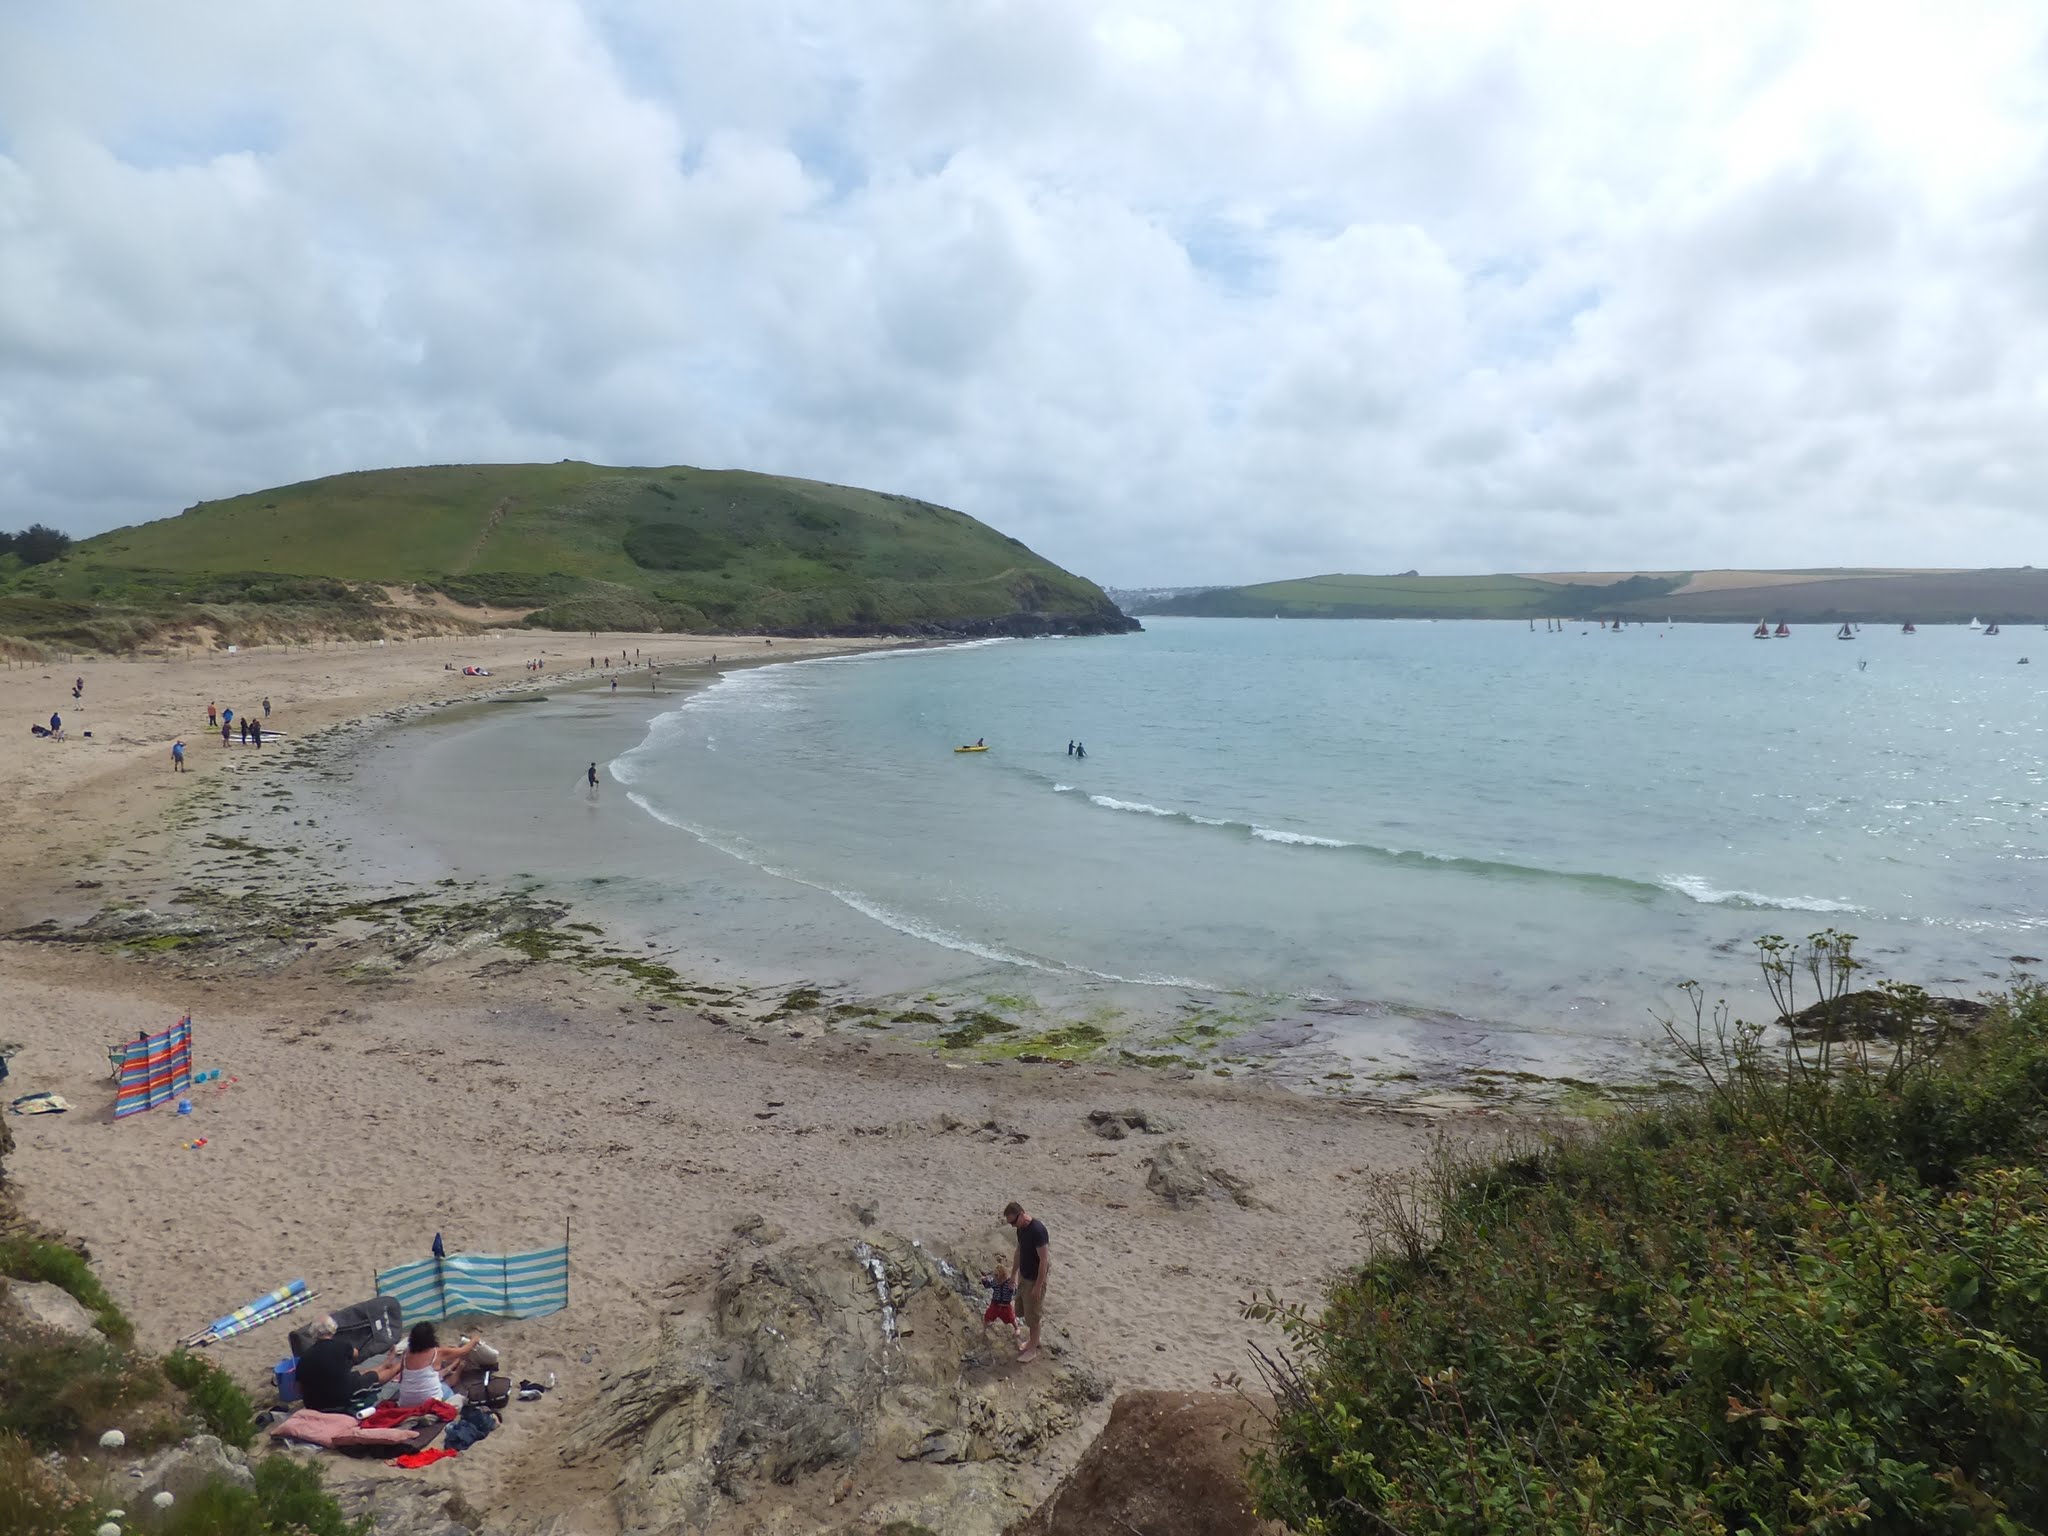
x=494, y=1391
x=369, y=1327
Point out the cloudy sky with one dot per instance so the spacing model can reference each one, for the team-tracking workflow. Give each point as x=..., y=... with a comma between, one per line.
x=1178, y=291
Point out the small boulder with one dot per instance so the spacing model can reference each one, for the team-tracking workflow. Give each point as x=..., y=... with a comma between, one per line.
x=1182, y=1176
x=52, y=1307
x=757, y=1229
x=1115, y=1124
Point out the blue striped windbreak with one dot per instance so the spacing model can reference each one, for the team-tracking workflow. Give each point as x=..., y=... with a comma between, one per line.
x=497, y=1285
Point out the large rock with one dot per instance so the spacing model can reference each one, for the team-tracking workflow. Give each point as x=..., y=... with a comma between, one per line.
x=51, y=1306
x=1165, y=1462
x=828, y=1382
x=183, y=1469
x=1182, y=1175
x=405, y=1508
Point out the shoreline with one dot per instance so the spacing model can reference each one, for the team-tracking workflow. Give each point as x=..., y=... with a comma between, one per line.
x=395, y=1067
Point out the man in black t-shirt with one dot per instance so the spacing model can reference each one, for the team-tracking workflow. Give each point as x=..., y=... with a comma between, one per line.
x=328, y=1379
x=1034, y=1267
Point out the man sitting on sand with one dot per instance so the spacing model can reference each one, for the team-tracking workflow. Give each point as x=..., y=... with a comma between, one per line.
x=328, y=1378
x=1034, y=1266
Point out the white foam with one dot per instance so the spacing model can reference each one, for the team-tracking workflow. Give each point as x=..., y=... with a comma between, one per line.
x=1699, y=889
x=902, y=923
x=1063, y=789
x=1138, y=806
x=1299, y=839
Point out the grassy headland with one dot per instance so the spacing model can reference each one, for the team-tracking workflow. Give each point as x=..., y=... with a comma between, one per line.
x=2017, y=595
x=566, y=546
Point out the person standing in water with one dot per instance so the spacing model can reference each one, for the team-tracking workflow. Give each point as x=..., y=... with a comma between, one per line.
x=1080, y=749
x=593, y=778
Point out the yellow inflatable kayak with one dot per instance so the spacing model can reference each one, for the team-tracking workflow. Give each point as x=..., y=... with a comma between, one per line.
x=970, y=749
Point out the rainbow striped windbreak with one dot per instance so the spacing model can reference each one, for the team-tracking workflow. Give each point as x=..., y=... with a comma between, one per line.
x=155, y=1070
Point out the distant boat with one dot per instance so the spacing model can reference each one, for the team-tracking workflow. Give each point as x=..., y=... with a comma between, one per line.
x=1991, y=628
x=1762, y=630
x=1975, y=625
x=1908, y=629
x=1781, y=632
x=1843, y=633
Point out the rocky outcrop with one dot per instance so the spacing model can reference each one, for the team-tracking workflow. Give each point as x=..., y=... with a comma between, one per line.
x=1876, y=1014
x=406, y=1508
x=183, y=1469
x=1183, y=1176
x=49, y=1306
x=1115, y=1124
x=846, y=1379
x=1165, y=1462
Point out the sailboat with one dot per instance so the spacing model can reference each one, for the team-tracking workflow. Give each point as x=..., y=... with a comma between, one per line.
x=1781, y=632
x=1975, y=625
x=1991, y=628
x=1908, y=629
x=1762, y=630
x=1843, y=632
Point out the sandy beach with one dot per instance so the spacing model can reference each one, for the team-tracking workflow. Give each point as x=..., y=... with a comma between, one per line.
x=494, y=1098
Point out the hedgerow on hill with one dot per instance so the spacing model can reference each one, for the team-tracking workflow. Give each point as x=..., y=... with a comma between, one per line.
x=1810, y=1298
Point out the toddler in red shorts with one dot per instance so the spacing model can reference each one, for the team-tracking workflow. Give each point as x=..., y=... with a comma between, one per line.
x=1002, y=1298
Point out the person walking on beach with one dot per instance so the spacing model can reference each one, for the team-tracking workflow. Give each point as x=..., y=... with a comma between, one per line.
x=266, y=706
x=224, y=729
x=593, y=780
x=1034, y=1268
x=177, y=757
x=212, y=715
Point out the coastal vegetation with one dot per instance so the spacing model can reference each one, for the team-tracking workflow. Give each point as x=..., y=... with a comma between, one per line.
x=566, y=546
x=1810, y=1295
x=1815, y=596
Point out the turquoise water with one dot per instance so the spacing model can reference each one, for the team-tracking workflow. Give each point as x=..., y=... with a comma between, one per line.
x=1423, y=833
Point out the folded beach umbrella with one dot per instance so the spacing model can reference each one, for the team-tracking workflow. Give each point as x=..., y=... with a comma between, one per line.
x=286, y=1298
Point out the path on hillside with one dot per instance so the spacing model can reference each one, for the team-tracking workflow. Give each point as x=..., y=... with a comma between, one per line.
x=497, y=516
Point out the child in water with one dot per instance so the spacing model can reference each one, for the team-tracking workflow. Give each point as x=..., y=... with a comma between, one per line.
x=1002, y=1302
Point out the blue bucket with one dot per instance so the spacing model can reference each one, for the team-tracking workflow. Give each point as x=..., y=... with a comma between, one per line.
x=287, y=1373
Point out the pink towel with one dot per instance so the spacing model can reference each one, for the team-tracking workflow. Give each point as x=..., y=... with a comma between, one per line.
x=336, y=1429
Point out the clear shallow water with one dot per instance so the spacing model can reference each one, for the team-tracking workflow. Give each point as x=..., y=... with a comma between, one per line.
x=1450, y=832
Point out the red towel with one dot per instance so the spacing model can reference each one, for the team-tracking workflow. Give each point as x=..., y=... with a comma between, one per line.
x=389, y=1415
x=425, y=1458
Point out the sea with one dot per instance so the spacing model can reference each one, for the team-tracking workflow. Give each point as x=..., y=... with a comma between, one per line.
x=1411, y=848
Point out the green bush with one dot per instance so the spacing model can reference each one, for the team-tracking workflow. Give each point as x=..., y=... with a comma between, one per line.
x=1812, y=1297
x=287, y=1501
x=56, y=1390
x=221, y=1405
x=34, y=1501
x=24, y=1258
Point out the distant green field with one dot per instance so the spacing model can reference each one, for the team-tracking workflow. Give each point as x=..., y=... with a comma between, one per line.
x=580, y=546
x=1401, y=597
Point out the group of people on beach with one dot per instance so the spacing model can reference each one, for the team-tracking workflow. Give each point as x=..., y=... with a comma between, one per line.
x=227, y=723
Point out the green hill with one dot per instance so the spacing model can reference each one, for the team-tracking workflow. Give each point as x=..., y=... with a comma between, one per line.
x=572, y=546
x=1407, y=597
x=2008, y=595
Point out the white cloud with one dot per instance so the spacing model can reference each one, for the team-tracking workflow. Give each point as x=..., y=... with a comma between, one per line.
x=1172, y=290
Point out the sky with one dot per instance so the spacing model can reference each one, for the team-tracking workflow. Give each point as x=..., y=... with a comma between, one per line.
x=1177, y=292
